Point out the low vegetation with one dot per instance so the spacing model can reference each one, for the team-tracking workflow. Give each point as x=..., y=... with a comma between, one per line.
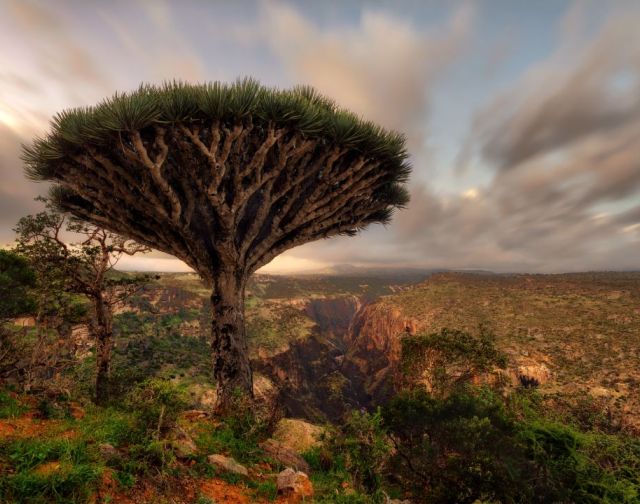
x=455, y=431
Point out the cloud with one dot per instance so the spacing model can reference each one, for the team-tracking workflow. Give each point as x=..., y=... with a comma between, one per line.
x=57, y=61
x=566, y=99
x=563, y=144
x=383, y=67
x=16, y=196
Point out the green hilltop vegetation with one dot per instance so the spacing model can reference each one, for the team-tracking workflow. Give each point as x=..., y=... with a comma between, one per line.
x=584, y=326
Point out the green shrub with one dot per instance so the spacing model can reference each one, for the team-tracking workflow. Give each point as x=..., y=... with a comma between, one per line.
x=57, y=407
x=449, y=359
x=157, y=405
x=267, y=490
x=474, y=446
x=249, y=419
x=28, y=453
x=71, y=479
x=223, y=439
x=69, y=485
x=460, y=448
x=362, y=447
x=109, y=425
x=572, y=466
x=10, y=407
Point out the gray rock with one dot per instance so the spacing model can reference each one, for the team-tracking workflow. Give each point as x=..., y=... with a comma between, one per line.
x=227, y=464
x=286, y=456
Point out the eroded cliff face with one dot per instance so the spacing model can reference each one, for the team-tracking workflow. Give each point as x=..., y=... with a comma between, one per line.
x=350, y=360
x=347, y=362
x=333, y=315
x=373, y=348
x=308, y=372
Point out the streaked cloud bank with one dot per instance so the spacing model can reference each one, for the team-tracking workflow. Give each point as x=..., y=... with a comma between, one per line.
x=523, y=119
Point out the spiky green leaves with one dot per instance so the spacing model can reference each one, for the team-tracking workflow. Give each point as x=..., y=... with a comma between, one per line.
x=301, y=108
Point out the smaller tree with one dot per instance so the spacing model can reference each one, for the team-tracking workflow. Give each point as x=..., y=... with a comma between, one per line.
x=16, y=282
x=86, y=267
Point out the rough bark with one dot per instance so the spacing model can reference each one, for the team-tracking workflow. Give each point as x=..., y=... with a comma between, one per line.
x=103, y=336
x=231, y=366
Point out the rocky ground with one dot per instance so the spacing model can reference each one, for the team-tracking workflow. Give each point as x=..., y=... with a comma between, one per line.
x=276, y=475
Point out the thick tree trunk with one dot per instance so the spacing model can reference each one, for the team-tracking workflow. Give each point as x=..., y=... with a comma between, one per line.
x=231, y=366
x=103, y=335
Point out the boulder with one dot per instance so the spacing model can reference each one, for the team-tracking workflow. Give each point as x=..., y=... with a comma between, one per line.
x=286, y=456
x=297, y=435
x=227, y=464
x=263, y=389
x=294, y=485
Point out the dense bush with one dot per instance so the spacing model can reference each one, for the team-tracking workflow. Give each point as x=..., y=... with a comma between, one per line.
x=475, y=445
x=448, y=359
x=157, y=404
x=16, y=281
x=362, y=447
x=457, y=449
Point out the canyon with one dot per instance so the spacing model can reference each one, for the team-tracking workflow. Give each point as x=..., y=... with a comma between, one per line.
x=328, y=344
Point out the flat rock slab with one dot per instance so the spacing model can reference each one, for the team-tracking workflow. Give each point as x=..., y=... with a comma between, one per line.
x=227, y=464
x=286, y=456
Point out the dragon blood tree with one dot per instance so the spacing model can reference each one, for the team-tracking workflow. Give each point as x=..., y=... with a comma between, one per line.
x=224, y=177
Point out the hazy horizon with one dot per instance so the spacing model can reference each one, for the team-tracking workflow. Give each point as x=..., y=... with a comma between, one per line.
x=522, y=118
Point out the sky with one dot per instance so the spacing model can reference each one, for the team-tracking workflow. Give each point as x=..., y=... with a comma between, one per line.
x=522, y=118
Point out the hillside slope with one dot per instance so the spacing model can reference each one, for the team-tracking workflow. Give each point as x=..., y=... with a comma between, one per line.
x=585, y=328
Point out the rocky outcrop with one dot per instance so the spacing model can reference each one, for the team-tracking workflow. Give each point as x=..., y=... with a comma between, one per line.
x=307, y=372
x=306, y=376
x=373, y=342
x=378, y=327
x=333, y=315
x=346, y=363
